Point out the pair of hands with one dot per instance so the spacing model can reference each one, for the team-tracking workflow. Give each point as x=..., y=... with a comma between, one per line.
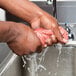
x=27, y=41
x=24, y=40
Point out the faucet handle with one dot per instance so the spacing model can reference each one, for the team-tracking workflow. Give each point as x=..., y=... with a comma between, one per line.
x=70, y=34
x=49, y=2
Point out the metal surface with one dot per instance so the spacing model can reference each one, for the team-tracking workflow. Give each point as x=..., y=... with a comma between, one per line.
x=4, y=51
x=70, y=44
x=11, y=66
x=66, y=11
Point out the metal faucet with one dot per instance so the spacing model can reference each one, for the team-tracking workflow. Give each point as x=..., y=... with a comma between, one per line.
x=70, y=34
x=71, y=42
x=49, y=2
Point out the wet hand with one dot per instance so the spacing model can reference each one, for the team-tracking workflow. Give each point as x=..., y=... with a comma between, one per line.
x=47, y=36
x=25, y=41
x=49, y=22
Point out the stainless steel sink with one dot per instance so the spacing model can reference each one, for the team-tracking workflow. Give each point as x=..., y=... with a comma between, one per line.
x=53, y=63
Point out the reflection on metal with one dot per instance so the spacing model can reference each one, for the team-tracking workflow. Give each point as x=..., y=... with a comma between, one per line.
x=5, y=67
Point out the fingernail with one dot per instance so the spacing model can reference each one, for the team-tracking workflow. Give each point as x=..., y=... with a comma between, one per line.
x=65, y=40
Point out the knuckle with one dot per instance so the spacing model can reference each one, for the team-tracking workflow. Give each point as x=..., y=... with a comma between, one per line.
x=54, y=26
x=53, y=38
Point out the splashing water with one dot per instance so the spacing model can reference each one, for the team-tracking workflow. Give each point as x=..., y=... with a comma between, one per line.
x=40, y=57
x=59, y=47
x=61, y=59
x=36, y=61
x=35, y=66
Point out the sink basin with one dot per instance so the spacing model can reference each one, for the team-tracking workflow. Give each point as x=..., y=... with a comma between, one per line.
x=53, y=63
x=50, y=62
x=4, y=51
x=11, y=66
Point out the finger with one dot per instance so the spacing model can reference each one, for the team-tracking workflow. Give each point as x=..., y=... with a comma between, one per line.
x=53, y=38
x=47, y=32
x=63, y=32
x=41, y=37
x=44, y=31
x=49, y=41
x=35, y=24
x=58, y=35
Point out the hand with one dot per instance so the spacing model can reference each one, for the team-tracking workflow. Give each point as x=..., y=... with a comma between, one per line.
x=49, y=22
x=45, y=35
x=31, y=13
x=25, y=41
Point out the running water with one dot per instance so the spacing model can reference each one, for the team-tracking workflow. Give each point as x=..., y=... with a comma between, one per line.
x=36, y=59
x=34, y=64
x=59, y=47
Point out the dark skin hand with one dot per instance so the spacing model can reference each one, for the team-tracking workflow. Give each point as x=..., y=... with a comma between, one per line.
x=20, y=38
x=31, y=13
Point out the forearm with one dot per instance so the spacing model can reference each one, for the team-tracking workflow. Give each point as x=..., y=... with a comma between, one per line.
x=0, y=4
x=22, y=8
x=6, y=33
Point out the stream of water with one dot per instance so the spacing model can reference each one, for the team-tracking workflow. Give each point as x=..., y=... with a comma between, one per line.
x=36, y=60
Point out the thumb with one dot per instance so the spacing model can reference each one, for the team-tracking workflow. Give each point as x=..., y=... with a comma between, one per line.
x=35, y=24
x=63, y=32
